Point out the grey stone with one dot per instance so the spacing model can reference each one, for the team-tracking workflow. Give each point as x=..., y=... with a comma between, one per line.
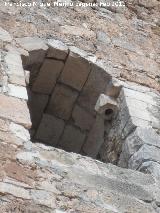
x=47, y=76
x=50, y=129
x=17, y=91
x=57, y=49
x=35, y=46
x=87, y=55
x=109, y=184
x=121, y=42
x=134, y=141
x=113, y=88
x=82, y=118
x=75, y=72
x=31, y=43
x=102, y=37
x=132, y=123
x=104, y=103
x=62, y=102
x=92, y=89
x=14, y=190
x=95, y=138
x=19, y=131
x=72, y=139
x=78, y=51
x=43, y=197
x=139, y=96
x=145, y=153
x=151, y=167
x=15, y=69
x=4, y=35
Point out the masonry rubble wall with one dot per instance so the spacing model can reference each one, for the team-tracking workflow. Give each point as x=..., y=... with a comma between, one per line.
x=137, y=120
x=70, y=182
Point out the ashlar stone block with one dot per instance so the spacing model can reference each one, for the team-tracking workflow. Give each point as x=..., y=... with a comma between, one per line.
x=35, y=46
x=72, y=139
x=62, y=101
x=50, y=129
x=15, y=110
x=17, y=91
x=139, y=96
x=82, y=118
x=75, y=72
x=95, y=138
x=47, y=76
x=14, y=68
x=95, y=85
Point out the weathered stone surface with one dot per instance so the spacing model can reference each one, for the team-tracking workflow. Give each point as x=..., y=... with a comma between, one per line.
x=17, y=91
x=142, y=106
x=15, y=69
x=32, y=43
x=81, y=178
x=14, y=110
x=132, y=123
x=151, y=167
x=16, y=191
x=4, y=35
x=72, y=139
x=43, y=197
x=143, y=63
x=92, y=89
x=57, y=49
x=95, y=138
x=137, y=107
x=47, y=76
x=105, y=102
x=62, y=101
x=78, y=31
x=87, y=55
x=19, y=131
x=50, y=129
x=145, y=153
x=18, y=175
x=82, y=118
x=102, y=37
x=134, y=142
x=113, y=88
x=139, y=96
x=36, y=48
x=75, y=72
x=4, y=125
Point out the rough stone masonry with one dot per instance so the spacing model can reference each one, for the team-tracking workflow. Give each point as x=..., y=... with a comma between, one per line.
x=76, y=97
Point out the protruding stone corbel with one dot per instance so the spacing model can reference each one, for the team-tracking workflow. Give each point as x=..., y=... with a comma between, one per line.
x=106, y=106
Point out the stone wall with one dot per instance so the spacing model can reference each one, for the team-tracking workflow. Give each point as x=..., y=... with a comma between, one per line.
x=137, y=120
x=69, y=95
